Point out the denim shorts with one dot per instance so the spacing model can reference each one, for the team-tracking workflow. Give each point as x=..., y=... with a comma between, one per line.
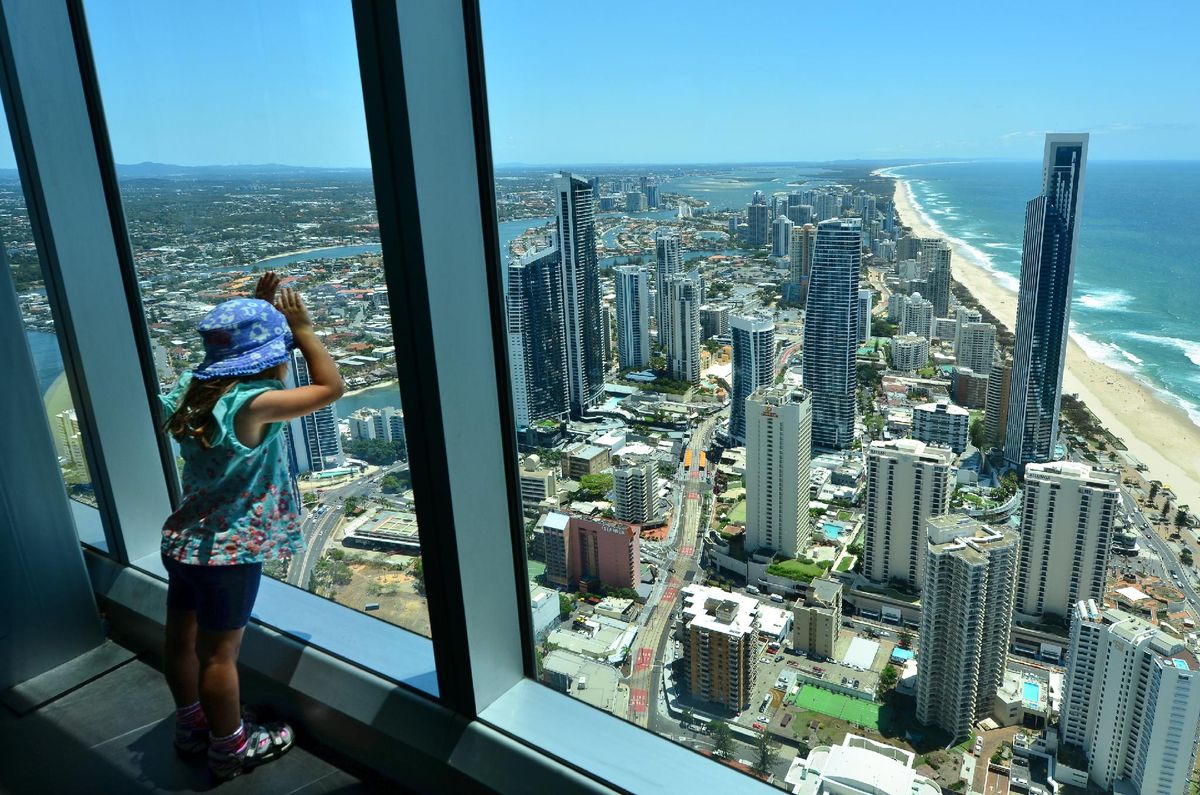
x=222, y=596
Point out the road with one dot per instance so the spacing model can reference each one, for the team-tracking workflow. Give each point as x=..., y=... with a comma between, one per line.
x=649, y=645
x=1166, y=555
x=319, y=530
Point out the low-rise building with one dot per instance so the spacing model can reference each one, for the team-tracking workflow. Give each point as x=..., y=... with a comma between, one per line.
x=538, y=484
x=592, y=682
x=858, y=766
x=545, y=607
x=941, y=423
x=585, y=459
x=816, y=622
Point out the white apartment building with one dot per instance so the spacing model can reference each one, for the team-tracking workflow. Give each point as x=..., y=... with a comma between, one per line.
x=941, y=423
x=634, y=487
x=1066, y=531
x=966, y=612
x=907, y=482
x=976, y=347
x=386, y=423
x=1131, y=702
x=70, y=440
x=918, y=317
x=633, y=317
x=909, y=352
x=778, y=454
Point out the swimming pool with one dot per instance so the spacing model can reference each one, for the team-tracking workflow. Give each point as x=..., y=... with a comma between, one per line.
x=1032, y=692
x=832, y=531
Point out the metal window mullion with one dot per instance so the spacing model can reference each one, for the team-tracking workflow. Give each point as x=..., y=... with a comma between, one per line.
x=69, y=214
x=421, y=123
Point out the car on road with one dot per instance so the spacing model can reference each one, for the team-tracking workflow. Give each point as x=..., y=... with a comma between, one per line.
x=978, y=749
x=759, y=726
x=778, y=657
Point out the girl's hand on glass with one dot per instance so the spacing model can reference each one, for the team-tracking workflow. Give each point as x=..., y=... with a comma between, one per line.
x=266, y=287
x=292, y=307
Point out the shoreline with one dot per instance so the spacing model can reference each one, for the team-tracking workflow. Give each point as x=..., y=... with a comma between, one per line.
x=1166, y=440
x=388, y=382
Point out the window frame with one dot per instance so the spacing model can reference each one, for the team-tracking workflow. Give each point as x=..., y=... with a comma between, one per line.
x=424, y=92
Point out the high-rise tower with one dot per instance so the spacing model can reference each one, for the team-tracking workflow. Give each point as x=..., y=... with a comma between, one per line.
x=753, y=366
x=581, y=292
x=778, y=452
x=831, y=331
x=536, y=344
x=966, y=613
x=315, y=438
x=935, y=257
x=803, y=239
x=1044, y=302
x=668, y=262
x=1066, y=530
x=907, y=482
x=1131, y=702
x=633, y=317
x=781, y=238
x=685, y=293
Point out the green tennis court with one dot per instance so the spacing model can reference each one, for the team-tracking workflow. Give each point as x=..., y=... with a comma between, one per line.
x=835, y=705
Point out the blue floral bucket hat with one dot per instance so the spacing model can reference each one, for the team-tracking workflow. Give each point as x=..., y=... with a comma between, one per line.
x=243, y=337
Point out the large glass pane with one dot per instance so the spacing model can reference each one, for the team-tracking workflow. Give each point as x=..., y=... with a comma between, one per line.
x=25, y=265
x=840, y=385
x=239, y=136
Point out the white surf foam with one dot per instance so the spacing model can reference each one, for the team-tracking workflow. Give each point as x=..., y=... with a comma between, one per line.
x=1189, y=348
x=1108, y=353
x=1110, y=300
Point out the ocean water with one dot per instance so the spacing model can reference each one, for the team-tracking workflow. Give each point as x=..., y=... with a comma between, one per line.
x=1134, y=304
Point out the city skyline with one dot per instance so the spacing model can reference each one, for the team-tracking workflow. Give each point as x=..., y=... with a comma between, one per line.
x=302, y=103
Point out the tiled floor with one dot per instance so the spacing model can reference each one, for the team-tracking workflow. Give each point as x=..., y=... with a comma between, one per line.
x=114, y=736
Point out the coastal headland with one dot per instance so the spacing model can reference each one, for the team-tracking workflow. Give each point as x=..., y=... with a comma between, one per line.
x=1158, y=434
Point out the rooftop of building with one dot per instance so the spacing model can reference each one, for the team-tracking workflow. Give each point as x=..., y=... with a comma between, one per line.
x=968, y=538
x=1071, y=469
x=858, y=765
x=715, y=610
x=587, y=451
x=592, y=682
x=824, y=592
x=779, y=394
x=913, y=447
x=942, y=407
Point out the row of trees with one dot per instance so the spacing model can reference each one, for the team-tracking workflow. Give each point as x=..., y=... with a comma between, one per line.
x=379, y=452
x=766, y=751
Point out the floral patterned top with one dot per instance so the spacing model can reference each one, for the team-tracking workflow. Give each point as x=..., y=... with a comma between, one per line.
x=238, y=502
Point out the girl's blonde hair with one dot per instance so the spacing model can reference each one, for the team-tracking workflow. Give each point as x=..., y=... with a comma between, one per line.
x=193, y=417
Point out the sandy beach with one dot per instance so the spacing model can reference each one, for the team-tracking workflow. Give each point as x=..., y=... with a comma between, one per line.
x=1159, y=435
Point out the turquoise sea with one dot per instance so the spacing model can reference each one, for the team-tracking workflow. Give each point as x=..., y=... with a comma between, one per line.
x=1134, y=305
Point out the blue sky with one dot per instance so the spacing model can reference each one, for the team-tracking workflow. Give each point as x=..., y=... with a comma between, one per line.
x=225, y=82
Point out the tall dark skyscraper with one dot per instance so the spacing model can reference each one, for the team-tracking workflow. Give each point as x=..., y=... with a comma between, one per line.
x=536, y=343
x=935, y=253
x=581, y=292
x=831, y=331
x=753, y=366
x=668, y=262
x=758, y=218
x=1044, y=302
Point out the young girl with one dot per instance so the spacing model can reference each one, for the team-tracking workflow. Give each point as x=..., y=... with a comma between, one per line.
x=238, y=510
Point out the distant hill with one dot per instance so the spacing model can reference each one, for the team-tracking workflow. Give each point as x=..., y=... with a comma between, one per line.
x=150, y=170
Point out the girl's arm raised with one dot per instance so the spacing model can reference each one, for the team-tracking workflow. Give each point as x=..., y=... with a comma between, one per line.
x=278, y=405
